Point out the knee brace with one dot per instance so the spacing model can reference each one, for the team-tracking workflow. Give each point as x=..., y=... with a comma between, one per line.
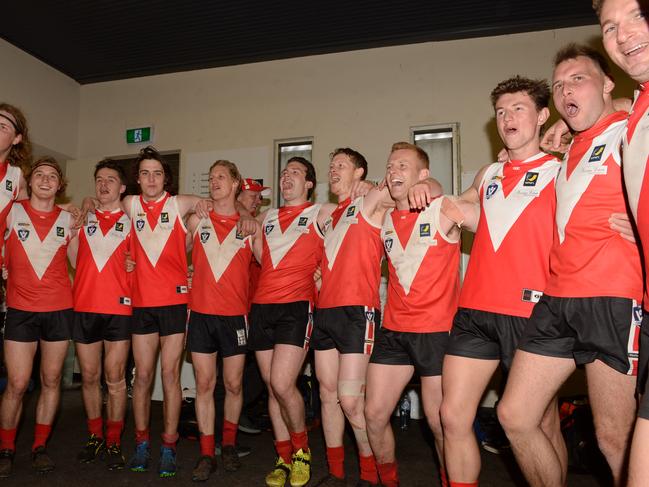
x=115, y=388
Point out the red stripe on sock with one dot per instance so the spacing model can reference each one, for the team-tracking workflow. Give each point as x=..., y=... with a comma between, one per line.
x=169, y=441
x=368, y=469
x=229, y=433
x=336, y=461
x=8, y=439
x=96, y=427
x=41, y=434
x=388, y=474
x=285, y=450
x=114, y=432
x=207, y=445
x=142, y=435
x=299, y=440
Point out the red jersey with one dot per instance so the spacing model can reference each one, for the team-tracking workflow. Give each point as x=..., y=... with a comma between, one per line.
x=159, y=251
x=588, y=258
x=423, y=265
x=36, y=243
x=510, y=257
x=292, y=250
x=635, y=155
x=9, y=186
x=221, y=259
x=101, y=283
x=351, y=266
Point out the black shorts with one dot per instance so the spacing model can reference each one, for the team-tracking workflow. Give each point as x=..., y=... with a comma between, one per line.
x=96, y=327
x=32, y=326
x=485, y=335
x=227, y=335
x=643, y=360
x=285, y=323
x=164, y=320
x=586, y=329
x=424, y=351
x=348, y=329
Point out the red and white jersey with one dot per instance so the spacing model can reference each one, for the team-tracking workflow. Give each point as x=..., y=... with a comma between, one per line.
x=588, y=258
x=9, y=187
x=101, y=283
x=292, y=250
x=221, y=259
x=509, y=264
x=423, y=265
x=635, y=154
x=36, y=243
x=351, y=266
x=159, y=251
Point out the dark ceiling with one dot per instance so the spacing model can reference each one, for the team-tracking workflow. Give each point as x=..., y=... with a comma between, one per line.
x=102, y=40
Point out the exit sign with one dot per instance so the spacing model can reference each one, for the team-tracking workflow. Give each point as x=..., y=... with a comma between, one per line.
x=138, y=135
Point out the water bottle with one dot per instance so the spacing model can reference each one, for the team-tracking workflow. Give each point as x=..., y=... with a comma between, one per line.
x=404, y=412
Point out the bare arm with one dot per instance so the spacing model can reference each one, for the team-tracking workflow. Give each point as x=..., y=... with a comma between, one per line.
x=192, y=224
x=73, y=248
x=257, y=243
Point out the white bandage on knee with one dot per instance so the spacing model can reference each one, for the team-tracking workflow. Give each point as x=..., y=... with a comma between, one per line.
x=353, y=388
x=116, y=387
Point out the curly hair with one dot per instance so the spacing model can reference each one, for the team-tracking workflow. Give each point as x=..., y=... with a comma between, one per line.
x=21, y=153
x=537, y=89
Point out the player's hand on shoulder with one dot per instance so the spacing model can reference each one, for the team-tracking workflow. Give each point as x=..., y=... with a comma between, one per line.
x=361, y=188
x=203, y=207
x=503, y=155
x=247, y=225
x=421, y=194
x=557, y=138
x=129, y=263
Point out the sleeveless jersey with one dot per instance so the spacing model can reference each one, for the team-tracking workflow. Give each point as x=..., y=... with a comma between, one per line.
x=101, y=283
x=509, y=263
x=351, y=265
x=221, y=259
x=9, y=188
x=36, y=243
x=636, y=178
x=159, y=251
x=423, y=265
x=292, y=250
x=588, y=258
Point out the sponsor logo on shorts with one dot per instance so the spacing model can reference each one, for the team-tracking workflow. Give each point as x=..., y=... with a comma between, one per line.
x=60, y=232
x=91, y=230
x=269, y=228
x=23, y=234
x=531, y=178
x=424, y=229
x=351, y=210
x=164, y=217
x=388, y=244
x=241, y=337
x=139, y=224
x=302, y=221
x=205, y=236
x=119, y=227
x=9, y=185
x=491, y=190
x=597, y=153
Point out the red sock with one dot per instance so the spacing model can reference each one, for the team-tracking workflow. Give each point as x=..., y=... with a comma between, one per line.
x=96, y=427
x=8, y=439
x=443, y=477
x=114, y=432
x=388, y=474
x=299, y=441
x=142, y=435
x=464, y=484
x=336, y=461
x=41, y=434
x=229, y=433
x=207, y=445
x=284, y=450
x=169, y=441
x=368, y=469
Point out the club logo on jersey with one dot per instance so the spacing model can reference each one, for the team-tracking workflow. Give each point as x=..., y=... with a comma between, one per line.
x=139, y=224
x=302, y=221
x=205, y=236
x=369, y=316
x=23, y=234
x=491, y=190
x=164, y=217
x=9, y=185
x=269, y=228
x=60, y=232
x=597, y=153
x=91, y=230
x=531, y=178
x=424, y=229
x=388, y=245
x=351, y=210
x=119, y=227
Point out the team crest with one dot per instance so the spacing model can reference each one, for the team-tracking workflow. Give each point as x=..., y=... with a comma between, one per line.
x=302, y=221
x=637, y=314
x=269, y=228
x=139, y=224
x=351, y=210
x=369, y=316
x=9, y=185
x=119, y=227
x=23, y=234
x=91, y=230
x=531, y=178
x=597, y=153
x=205, y=236
x=60, y=232
x=388, y=244
x=164, y=217
x=424, y=229
x=491, y=190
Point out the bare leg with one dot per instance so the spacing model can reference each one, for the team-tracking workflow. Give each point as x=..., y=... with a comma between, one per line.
x=116, y=355
x=431, y=395
x=232, y=379
x=639, y=467
x=19, y=358
x=52, y=358
x=89, y=355
x=145, y=352
x=280, y=429
x=351, y=390
x=171, y=352
x=286, y=365
x=205, y=373
x=333, y=419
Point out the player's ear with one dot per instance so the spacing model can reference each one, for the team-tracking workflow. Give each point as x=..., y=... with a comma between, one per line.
x=543, y=116
x=424, y=174
x=122, y=189
x=609, y=84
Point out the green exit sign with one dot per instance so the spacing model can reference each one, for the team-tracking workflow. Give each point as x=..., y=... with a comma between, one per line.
x=138, y=135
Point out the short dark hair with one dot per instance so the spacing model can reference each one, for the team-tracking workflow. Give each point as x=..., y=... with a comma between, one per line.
x=150, y=152
x=537, y=89
x=109, y=163
x=310, y=172
x=574, y=50
x=421, y=153
x=356, y=157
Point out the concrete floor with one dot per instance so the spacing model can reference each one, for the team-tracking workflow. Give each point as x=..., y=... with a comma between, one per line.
x=416, y=465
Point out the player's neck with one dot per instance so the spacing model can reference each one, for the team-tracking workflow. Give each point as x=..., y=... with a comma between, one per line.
x=402, y=204
x=41, y=204
x=4, y=154
x=296, y=202
x=343, y=196
x=109, y=206
x=525, y=152
x=224, y=206
x=150, y=199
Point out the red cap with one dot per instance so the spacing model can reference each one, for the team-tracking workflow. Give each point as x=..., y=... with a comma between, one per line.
x=254, y=185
